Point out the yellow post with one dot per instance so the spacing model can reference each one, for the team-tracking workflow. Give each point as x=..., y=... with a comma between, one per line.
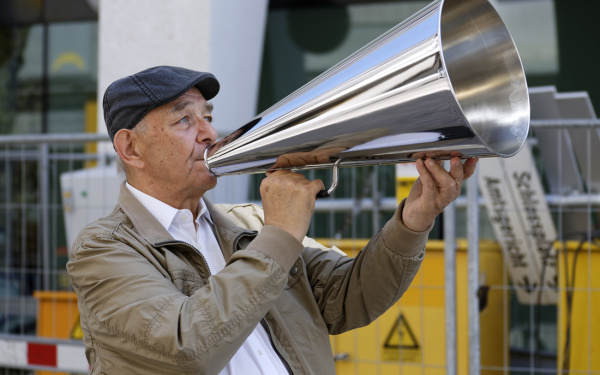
x=91, y=126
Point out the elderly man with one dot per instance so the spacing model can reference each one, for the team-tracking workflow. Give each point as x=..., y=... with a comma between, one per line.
x=169, y=283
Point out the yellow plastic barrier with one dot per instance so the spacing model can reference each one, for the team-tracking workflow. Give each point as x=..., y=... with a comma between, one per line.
x=58, y=317
x=410, y=337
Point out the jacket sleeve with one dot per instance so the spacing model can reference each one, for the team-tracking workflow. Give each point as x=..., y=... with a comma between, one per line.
x=353, y=292
x=132, y=303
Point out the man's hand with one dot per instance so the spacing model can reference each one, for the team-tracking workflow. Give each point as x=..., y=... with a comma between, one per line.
x=300, y=159
x=434, y=190
x=288, y=199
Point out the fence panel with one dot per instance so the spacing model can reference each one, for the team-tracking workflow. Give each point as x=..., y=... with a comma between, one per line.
x=47, y=199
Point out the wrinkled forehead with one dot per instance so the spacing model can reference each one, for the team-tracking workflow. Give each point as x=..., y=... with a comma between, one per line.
x=191, y=99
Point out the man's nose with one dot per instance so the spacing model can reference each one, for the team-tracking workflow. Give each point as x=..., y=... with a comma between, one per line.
x=206, y=132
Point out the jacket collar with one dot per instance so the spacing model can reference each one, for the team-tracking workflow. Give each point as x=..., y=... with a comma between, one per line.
x=146, y=225
x=226, y=231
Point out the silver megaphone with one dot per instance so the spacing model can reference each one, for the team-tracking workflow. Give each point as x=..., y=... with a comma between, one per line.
x=447, y=81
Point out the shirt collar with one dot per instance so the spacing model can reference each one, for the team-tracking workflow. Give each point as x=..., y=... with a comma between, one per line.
x=203, y=212
x=164, y=213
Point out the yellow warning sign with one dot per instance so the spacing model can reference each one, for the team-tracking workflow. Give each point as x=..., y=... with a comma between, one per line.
x=401, y=343
x=77, y=332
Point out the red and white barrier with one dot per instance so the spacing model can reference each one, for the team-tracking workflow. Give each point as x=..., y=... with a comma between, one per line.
x=30, y=352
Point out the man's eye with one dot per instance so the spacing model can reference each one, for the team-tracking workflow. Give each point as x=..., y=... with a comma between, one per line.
x=184, y=120
x=208, y=119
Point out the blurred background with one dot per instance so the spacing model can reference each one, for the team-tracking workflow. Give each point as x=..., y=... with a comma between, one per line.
x=510, y=283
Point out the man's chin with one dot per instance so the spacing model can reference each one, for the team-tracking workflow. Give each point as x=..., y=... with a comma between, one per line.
x=207, y=185
x=211, y=183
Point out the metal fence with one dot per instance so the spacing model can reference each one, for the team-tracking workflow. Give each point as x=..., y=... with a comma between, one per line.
x=36, y=306
x=461, y=315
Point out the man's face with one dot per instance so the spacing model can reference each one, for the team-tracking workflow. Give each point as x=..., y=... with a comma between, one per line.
x=174, y=137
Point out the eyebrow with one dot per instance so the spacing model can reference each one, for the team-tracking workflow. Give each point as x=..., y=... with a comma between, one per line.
x=181, y=106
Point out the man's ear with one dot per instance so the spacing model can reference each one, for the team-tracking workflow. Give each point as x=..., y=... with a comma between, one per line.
x=125, y=144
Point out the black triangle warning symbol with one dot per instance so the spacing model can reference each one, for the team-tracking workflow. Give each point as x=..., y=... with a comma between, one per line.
x=401, y=336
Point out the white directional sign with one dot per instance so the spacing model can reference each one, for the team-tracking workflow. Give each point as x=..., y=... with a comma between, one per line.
x=522, y=223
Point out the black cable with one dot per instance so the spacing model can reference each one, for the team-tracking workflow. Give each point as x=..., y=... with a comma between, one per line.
x=538, y=307
x=569, y=285
x=569, y=301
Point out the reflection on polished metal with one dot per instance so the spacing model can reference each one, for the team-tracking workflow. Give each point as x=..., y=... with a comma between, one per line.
x=447, y=81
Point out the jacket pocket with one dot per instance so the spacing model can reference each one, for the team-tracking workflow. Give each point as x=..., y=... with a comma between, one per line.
x=186, y=281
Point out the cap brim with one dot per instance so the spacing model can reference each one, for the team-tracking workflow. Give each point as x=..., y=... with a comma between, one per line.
x=208, y=86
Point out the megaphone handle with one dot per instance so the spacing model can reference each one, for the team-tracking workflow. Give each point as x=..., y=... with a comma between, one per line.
x=334, y=184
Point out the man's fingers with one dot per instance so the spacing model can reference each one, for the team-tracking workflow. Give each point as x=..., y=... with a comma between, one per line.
x=457, y=170
x=442, y=178
x=462, y=171
x=434, y=190
x=317, y=186
x=288, y=200
x=292, y=160
x=292, y=182
x=469, y=167
x=424, y=175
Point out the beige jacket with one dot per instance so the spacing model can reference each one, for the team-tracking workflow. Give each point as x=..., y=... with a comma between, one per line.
x=149, y=304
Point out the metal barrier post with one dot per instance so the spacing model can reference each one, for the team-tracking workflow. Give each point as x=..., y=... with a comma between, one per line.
x=450, y=286
x=376, y=199
x=44, y=230
x=473, y=273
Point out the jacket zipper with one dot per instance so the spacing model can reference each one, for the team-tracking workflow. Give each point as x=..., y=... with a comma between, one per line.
x=285, y=364
x=190, y=245
x=263, y=322
x=235, y=243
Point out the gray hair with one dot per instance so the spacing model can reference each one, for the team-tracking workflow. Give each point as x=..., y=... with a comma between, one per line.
x=121, y=168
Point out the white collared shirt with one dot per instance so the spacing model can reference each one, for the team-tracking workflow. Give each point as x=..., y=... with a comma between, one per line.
x=256, y=356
